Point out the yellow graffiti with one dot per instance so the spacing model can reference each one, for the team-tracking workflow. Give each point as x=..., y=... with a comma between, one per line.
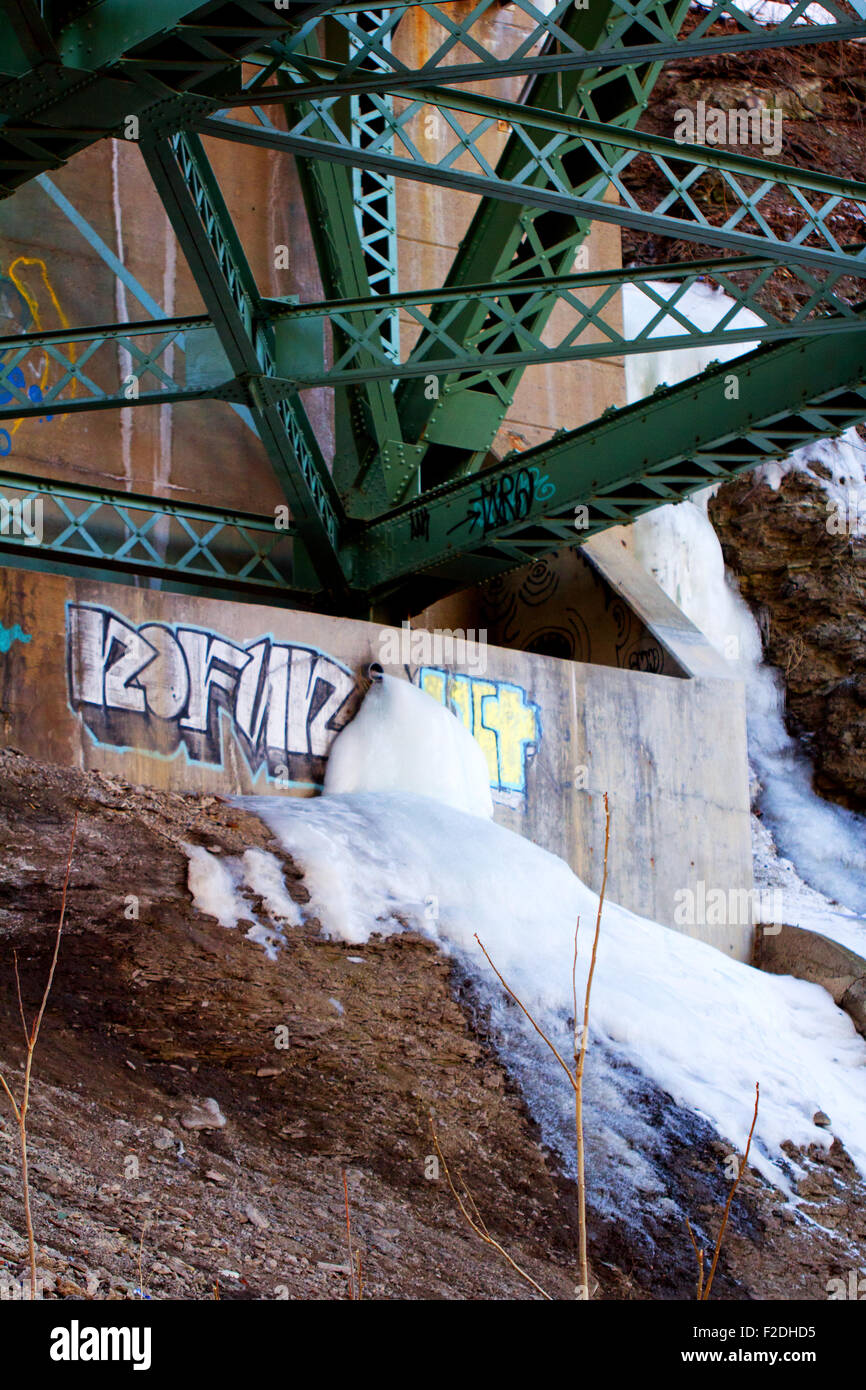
x=482, y=691
x=497, y=714
x=460, y=700
x=516, y=725
x=32, y=300
x=434, y=683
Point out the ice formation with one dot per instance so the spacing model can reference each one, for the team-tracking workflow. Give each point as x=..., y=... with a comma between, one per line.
x=403, y=740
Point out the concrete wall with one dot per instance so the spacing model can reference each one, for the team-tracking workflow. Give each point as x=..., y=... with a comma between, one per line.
x=564, y=605
x=51, y=277
x=194, y=695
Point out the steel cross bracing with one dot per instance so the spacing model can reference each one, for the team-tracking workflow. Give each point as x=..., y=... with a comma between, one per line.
x=657, y=451
x=501, y=243
x=650, y=33
x=202, y=225
x=123, y=537
x=73, y=79
x=86, y=367
x=373, y=193
x=543, y=179
x=510, y=340
x=413, y=503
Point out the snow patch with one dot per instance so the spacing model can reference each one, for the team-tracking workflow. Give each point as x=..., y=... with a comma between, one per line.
x=804, y=906
x=844, y=459
x=213, y=887
x=702, y=304
x=263, y=875
x=221, y=888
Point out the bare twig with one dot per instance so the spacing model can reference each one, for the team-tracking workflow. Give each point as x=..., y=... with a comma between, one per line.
x=140, y=1248
x=20, y=1000
x=581, y=1038
x=31, y=1035
x=741, y=1171
x=699, y=1255
x=477, y=1224
x=580, y=1063
x=349, y=1238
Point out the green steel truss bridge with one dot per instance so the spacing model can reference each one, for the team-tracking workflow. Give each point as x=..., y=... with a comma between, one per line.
x=416, y=505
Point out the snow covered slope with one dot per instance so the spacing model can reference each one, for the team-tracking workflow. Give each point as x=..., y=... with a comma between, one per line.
x=702, y=1027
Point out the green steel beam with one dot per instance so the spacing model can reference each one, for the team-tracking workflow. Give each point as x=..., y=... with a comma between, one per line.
x=640, y=29
x=369, y=37
x=16, y=54
x=87, y=375
x=512, y=242
x=110, y=31
x=477, y=368
x=79, y=405
x=373, y=194
x=127, y=59
x=203, y=227
x=278, y=309
x=568, y=142
x=496, y=244
x=594, y=331
x=384, y=72
x=645, y=455
x=121, y=536
x=367, y=426
x=612, y=150
x=119, y=58
x=32, y=35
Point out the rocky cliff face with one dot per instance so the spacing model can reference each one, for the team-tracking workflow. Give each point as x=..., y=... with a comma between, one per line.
x=807, y=586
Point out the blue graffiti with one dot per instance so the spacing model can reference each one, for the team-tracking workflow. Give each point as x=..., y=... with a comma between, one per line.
x=14, y=306
x=10, y=635
x=16, y=378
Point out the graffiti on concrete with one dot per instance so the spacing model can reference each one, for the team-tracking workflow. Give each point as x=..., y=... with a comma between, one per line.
x=161, y=687
x=498, y=715
x=8, y=635
x=28, y=303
